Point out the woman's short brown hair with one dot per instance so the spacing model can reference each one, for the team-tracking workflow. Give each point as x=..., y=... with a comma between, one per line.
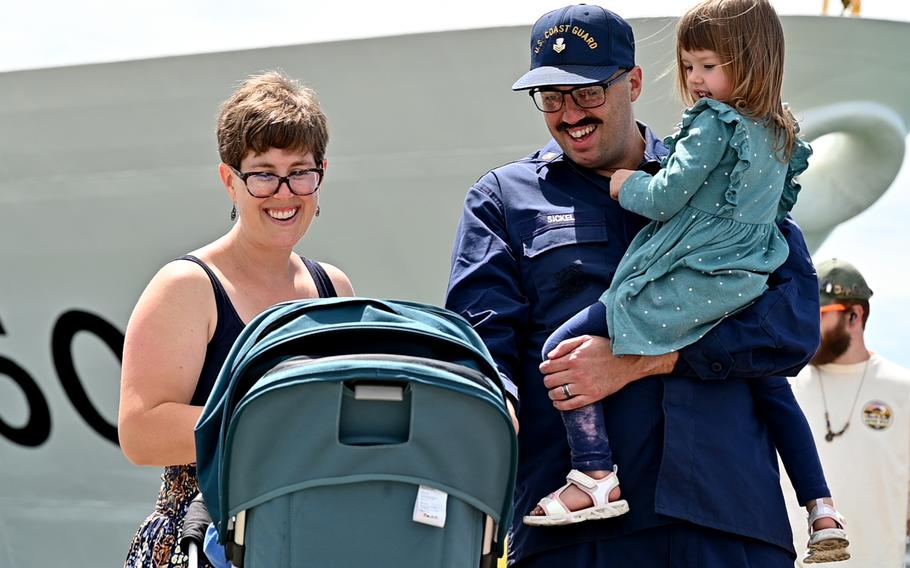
x=748, y=37
x=271, y=110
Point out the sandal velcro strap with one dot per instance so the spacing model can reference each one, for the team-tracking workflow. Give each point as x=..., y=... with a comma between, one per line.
x=582, y=480
x=824, y=510
x=590, y=485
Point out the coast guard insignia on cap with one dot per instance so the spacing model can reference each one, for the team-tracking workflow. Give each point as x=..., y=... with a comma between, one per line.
x=877, y=415
x=560, y=45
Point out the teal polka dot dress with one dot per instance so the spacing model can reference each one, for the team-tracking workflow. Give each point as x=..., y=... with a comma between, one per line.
x=714, y=238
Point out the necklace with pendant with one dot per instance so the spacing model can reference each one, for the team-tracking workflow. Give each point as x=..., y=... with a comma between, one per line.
x=831, y=433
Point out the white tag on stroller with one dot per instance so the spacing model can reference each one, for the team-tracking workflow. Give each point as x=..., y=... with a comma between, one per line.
x=430, y=506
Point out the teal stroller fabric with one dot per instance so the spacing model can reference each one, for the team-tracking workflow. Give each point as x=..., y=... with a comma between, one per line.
x=336, y=425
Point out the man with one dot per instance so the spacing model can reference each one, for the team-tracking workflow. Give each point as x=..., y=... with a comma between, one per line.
x=858, y=407
x=538, y=240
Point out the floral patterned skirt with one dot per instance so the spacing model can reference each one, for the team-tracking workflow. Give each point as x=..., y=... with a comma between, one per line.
x=156, y=544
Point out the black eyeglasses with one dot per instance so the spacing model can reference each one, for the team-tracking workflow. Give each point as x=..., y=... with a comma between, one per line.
x=548, y=99
x=265, y=184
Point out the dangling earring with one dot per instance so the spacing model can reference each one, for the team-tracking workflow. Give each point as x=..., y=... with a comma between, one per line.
x=234, y=212
x=317, y=211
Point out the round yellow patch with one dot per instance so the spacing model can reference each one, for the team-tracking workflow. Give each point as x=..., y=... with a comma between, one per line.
x=877, y=415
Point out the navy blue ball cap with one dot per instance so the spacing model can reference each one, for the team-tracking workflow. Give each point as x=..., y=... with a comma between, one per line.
x=578, y=45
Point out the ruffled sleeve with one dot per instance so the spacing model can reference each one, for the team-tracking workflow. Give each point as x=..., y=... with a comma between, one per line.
x=739, y=141
x=799, y=161
x=697, y=150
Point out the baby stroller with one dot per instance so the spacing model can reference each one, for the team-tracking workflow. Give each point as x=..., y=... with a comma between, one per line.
x=358, y=432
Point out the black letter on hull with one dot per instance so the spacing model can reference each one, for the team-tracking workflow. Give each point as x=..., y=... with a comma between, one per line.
x=68, y=325
x=38, y=428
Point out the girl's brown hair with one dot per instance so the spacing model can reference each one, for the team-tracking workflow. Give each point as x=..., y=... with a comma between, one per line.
x=748, y=37
x=271, y=110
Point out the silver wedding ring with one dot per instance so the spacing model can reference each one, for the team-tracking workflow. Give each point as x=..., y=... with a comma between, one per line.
x=565, y=391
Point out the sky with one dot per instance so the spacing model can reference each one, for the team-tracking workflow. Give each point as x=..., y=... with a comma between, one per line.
x=50, y=33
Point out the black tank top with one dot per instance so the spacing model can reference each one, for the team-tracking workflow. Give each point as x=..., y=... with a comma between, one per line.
x=230, y=325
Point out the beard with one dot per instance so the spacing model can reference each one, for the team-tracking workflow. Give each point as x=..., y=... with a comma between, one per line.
x=834, y=344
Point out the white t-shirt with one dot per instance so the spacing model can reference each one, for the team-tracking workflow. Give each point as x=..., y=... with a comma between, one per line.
x=868, y=467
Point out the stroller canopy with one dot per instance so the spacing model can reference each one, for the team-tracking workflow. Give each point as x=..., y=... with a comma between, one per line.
x=333, y=342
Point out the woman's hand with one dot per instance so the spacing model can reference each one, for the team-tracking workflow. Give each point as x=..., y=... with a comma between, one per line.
x=514, y=416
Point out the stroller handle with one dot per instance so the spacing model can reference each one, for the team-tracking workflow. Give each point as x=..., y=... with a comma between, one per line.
x=192, y=554
x=195, y=523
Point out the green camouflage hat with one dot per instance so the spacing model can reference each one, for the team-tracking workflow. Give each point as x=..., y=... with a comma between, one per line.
x=839, y=280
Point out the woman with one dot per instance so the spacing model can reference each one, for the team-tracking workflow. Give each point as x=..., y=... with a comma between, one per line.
x=272, y=137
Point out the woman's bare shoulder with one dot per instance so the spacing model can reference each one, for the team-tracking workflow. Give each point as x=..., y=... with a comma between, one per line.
x=180, y=291
x=181, y=277
x=340, y=280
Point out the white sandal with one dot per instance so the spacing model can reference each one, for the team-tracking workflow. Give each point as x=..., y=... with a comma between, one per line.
x=556, y=512
x=826, y=545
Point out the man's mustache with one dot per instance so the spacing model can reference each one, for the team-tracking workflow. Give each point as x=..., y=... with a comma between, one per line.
x=564, y=126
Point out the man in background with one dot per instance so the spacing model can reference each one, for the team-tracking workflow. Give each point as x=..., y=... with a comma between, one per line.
x=858, y=407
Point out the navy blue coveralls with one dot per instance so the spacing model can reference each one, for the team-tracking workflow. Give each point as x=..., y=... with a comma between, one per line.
x=539, y=239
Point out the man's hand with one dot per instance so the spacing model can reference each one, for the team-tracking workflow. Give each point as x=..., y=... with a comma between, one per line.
x=618, y=178
x=586, y=365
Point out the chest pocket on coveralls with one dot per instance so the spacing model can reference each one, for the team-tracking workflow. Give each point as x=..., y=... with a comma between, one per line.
x=565, y=259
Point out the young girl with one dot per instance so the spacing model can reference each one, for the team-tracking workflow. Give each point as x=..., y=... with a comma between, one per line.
x=713, y=242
